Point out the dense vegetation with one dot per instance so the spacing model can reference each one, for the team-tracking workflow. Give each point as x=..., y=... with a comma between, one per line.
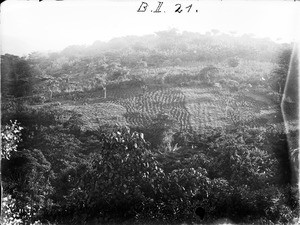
x=156, y=165
x=87, y=67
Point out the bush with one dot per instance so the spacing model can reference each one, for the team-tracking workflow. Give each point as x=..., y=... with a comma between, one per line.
x=247, y=169
x=113, y=174
x=123, y=179
x=26, y=177
x=10, y=137
x=233, y=62
x=173, y=201
x=10, y=214
x=159, y=133
x=123, y=169
x=208, y=74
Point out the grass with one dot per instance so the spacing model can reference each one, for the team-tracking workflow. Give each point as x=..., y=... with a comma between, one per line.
x=97, y=114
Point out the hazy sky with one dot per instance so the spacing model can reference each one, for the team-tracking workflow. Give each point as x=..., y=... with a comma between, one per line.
x=28, y=26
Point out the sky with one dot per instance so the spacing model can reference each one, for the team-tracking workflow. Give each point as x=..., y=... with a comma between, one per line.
x=28, y=26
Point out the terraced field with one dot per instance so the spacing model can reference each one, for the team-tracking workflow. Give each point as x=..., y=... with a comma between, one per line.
x=205, y=109
x=142, y=109
x=190, y=107
x=209, y=107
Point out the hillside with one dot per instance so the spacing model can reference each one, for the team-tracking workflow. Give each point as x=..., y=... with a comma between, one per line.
x=189, y=104
x=169, y=128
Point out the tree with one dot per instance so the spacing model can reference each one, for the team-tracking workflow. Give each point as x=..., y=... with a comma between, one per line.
x=208, y=74
x=160, y=132
x=16, y=76
x=279, y=75
x=101, y=81
x=117, y=179
x=16, y=79
x=117, y=72
x=26, y=176
x=233, y=62
x=10, y=137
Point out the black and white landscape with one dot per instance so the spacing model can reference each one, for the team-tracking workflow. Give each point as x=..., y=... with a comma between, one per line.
x=113, y=114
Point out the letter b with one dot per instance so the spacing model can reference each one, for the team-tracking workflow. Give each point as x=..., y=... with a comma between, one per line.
x=143, y=6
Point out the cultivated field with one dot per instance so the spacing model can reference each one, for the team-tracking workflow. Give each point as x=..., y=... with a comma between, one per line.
x=194, y=106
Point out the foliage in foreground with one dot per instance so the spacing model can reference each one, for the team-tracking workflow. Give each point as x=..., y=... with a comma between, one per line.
x=113, y=175
x=10, y=137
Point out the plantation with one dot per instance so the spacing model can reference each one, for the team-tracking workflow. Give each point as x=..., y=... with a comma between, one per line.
x=140, y=109
x=150, y=134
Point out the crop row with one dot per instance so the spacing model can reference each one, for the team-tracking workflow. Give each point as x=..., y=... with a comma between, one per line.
x=222, y=111
x=206, y=115
x=141, y=109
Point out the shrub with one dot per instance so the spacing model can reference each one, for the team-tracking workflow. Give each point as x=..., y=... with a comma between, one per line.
x=242, y=174
x=123, y=179
x=244, y=154
x=26, y=177
x=159, y=133
x=233, y=62
x=10, y=136
x=115, y=179
x=208, y=74
x=10, y=215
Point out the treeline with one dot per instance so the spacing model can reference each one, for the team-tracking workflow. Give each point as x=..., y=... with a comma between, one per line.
x=186, y=46
x=61, y=174
x=86, y=67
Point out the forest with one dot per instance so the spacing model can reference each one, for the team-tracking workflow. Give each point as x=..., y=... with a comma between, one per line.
x=168, y=128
